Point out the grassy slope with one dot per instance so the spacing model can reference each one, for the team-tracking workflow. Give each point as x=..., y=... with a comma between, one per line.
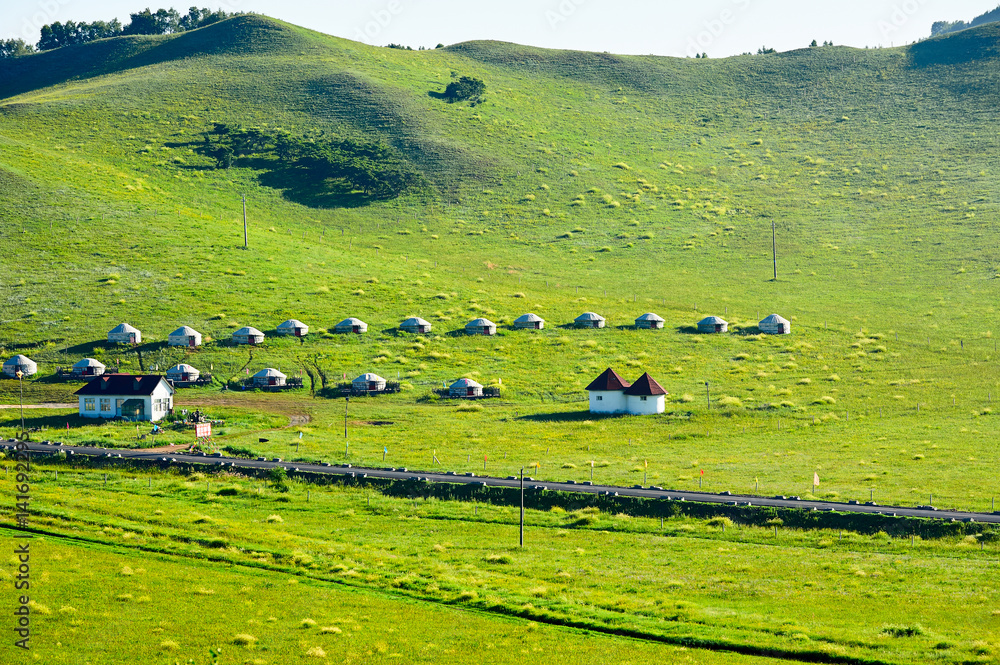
x=172, y=609
x=685, y=580
x=878, y=167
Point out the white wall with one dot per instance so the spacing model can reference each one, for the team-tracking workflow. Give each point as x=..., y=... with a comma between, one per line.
x=652, y=405
x=607, y=401
x=162, y=392
x=123, y=338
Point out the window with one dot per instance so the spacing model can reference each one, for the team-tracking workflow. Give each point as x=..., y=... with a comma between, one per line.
x=105, y=405
x=600, y=397
x=88, y=404
x=642, y=398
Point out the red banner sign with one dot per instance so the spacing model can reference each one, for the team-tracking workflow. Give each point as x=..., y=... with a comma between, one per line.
x=203, y=430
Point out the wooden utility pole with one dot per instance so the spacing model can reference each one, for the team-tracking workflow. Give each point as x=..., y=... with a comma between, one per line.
x=522, y=508
x=708, y=395
x=246, y=237
x=774, y=252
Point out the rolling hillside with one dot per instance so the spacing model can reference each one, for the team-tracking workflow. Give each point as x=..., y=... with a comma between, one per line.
x=582, y=182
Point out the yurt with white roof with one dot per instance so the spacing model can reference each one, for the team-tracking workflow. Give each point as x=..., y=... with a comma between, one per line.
x=183, y=372
x=772, y=324
x=465, y=388
x=268, y=377
x=650, y=321
x=88, y=367
x=184, y=336
x=19, y=363
x=248, y=335
x=293, y=327
x=123, y=333
x=529, y=321
x=351, y=325
x=481, y=327
x=369, y=383
x=589, y=320
x=415, y=325
x=713, y=324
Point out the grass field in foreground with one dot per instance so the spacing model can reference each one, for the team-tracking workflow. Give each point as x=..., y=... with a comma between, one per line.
x=796, y=593
x=104, y=603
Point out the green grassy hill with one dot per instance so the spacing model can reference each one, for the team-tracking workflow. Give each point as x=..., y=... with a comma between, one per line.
x=584, y=181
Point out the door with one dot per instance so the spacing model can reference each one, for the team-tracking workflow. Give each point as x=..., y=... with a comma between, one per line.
x=271, y=381
x=357, y=329
x=470, y=392
x=597, y=324
x=191, y=342
x=538, y=325
x=298, y=332
x=251, y=340
x=718, y=327
x=372, y=386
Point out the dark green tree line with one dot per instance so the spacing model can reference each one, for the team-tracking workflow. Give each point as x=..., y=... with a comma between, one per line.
x=372, y=167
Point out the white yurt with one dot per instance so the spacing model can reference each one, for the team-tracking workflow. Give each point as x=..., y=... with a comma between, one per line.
x=465, y=388
x=772, y=324
x=713, y=324
x=293, y=327
x=19, y=363
x=415, y=324
x=529, y=321
x=351, y=325
x=183, y=372
x=88, y=367
x=248, y=335
x=650, y=321
x=589, y=320
x=268, y=377
x=481, y=327
x=368, y=382
x=123, y=333
x=184, y=336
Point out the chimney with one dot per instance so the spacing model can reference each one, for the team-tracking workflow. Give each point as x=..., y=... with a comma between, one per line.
x=135, y=384
x=104, y=383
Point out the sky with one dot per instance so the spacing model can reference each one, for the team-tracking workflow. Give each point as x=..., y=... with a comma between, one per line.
x=660, y=27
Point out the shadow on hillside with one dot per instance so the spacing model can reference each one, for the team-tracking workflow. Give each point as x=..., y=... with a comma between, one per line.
x=26, y=346
x=688, y=330
x=87, y=348
x=569, y=416
x=298, y=186
x=236, y=36
x=974, y=44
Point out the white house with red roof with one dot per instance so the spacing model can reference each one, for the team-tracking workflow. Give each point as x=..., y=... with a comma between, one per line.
x=132, y=397
x=610, y=393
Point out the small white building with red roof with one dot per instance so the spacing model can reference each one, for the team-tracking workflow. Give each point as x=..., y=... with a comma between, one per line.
x=645, y=397
x=610, y=393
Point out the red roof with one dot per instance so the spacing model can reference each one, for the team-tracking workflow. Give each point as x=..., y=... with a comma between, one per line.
x=645, y=385
x=609, y=380
x=122, y=384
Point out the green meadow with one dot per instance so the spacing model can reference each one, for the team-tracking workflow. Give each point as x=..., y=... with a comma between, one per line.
x=579, y=182
x=284, y=563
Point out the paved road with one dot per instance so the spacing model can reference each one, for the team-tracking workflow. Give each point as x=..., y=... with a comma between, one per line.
x=468, y=478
